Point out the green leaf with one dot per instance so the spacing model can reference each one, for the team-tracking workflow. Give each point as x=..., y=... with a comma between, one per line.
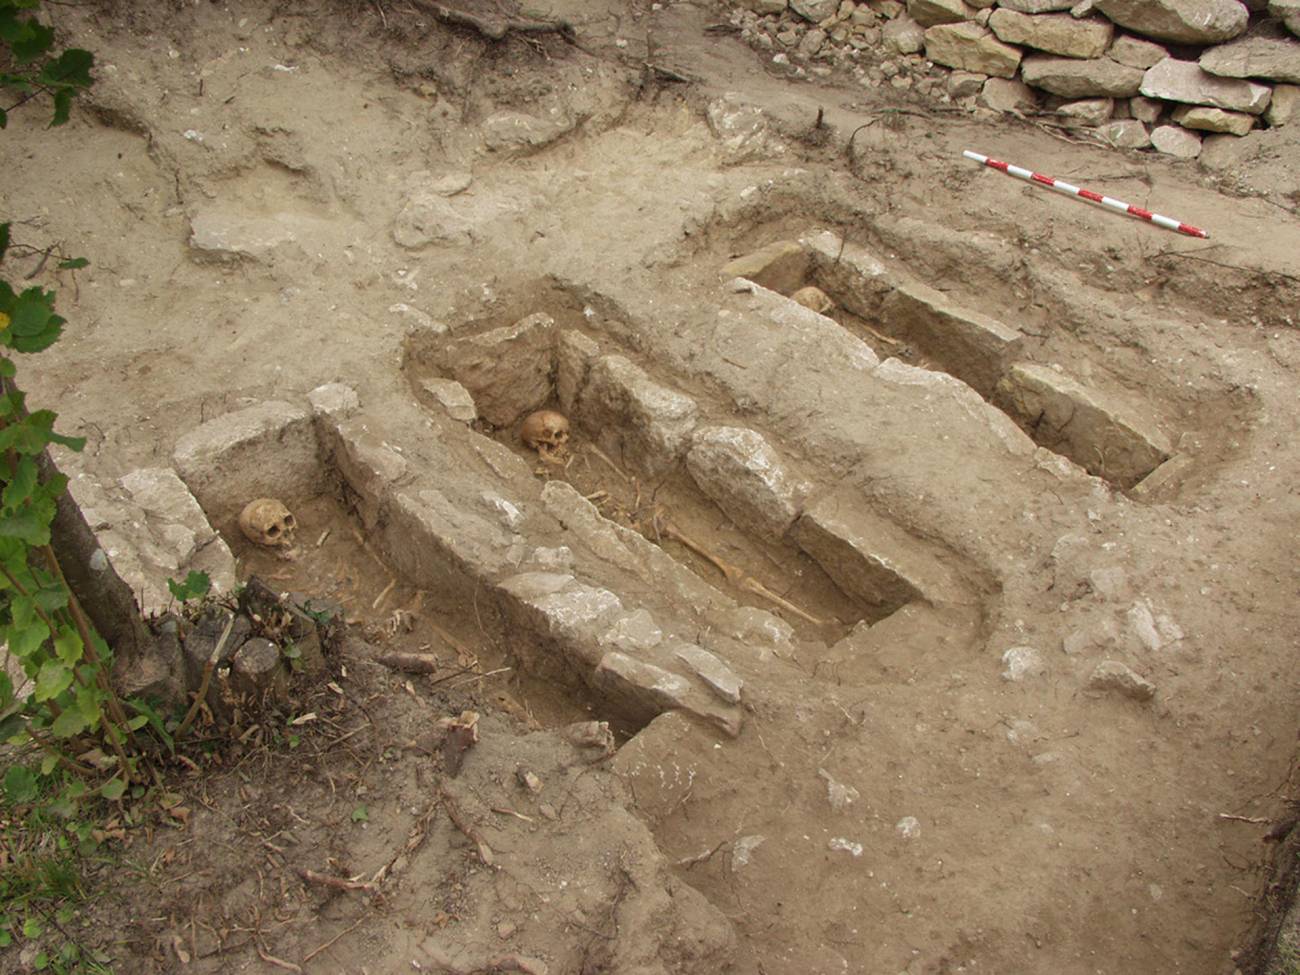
x=27, y=527
x=68, y=646
x=31, y=312
x=41, y=961
x=4, y=227
x=138, y=722
x=32, y=928
x=361, y=814
x=7, y=368
x=113, y=788
x=62, y=107
x=69, y=724
x=26, y=640
x=75, y=444
x=73, y=264
x=196, y=585
x=54, y=678
x=72, y=67
x=20, y=784
x=39, y=39
x=20, y=486
x=48, y=764
x=6, y=939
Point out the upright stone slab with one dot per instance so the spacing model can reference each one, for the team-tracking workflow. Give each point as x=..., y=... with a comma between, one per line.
x=506, y=370
x=1101, y=436
x=746, y=478
x=780, y=266
x=633, y=417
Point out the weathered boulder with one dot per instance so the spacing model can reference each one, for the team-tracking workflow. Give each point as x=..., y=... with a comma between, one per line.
x=972, y=48
x=1005, y=95
x=739, y=470
x=1287, y=11
x=1074, y=78
x=1184, y=81
x=930, y=13
x=1127, y=133
x=1054, y=33
x=1181, y=21
x=1135, y=52
x=1208, y=119
x=1274, y=58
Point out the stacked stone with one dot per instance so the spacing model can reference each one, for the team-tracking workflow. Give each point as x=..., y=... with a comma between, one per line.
x=1138, y=72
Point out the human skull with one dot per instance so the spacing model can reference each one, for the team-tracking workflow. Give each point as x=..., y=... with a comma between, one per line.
x=814, y=298
x=267, y=521
x=546, y=432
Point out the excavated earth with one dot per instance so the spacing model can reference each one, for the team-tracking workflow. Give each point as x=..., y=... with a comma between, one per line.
x=1001, y=675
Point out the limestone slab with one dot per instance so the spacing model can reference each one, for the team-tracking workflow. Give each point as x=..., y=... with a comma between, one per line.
x=1075, y=78
x=746, y=478
x=1206, y=119
x=970, y=47
x=1180, y=21
x=1271, y=58
x=1054, y=33
x=1185, y=81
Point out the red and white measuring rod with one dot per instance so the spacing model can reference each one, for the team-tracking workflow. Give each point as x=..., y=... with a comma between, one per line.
x=1167, y=222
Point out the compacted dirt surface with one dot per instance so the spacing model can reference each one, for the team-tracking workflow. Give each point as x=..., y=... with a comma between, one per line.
x=925, y=779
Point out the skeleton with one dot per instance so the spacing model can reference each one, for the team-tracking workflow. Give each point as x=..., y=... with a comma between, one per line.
x=547, y=432
x=736, y=576
x=268, y=522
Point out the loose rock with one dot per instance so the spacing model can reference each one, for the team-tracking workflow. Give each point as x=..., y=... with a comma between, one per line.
x=1022, y=662
x=929, y=13
x=1184, y=81
x=1111, y=675
x=1088, y=111
x=903, y=35
x=1003, y=95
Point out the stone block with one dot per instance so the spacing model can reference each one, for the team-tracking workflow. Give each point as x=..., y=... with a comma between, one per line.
x=264, y=451
x=1180, y=21
x=1089, y=112
x=1075, y=78
x=1206, y=119
x=1054, y=33
x=903, y=35
x=644, y=691
x=1174, y=140
x=506, y=370
x=780, y=266
x=517, y=133
x=971, y=346
x=1005, y=95
x=962, y=84
x=746, y=478
x=742, y=128
x=1271, y=58
x=335, y=401
x=1136, y=52
x=1145, y=109
x=368, y=464
x=449, y=397
x=429, y=218
x=1126, y=133
x=971, y=47
x=857, y=278
x=1284, y=107
x=1106, y=438
x=1037, y=6
x=1287, y=11
x=1185, y=81
x=574, y=354
x=218, y=235
x=869, y=557
x=929, y=13
x=633, y=417
x=815, y=11
x=710, y=668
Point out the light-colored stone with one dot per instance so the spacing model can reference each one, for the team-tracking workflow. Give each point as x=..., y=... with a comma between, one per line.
x=710, y=668
x=742, y=129
x=645, y=690
x=1005, y=95
x=634, y=418
x=929, y=13
x=1145, y=109
x=1174, y=140
x=1083, y=8
x=367, y=463
x=781, y=266
x=1088, y=111
x=815, y=10
x=970, y=345
x=1102, y=436
x=450, y=397
x=765, y=7
x=964, y=83
x=1075, y=78
x=429, y=218
x=334, y=401
x=1285, y=106
x=1185, y=81
x=1205, y=119
x=507, y=370
x=264, y=451
x=1180, y=21
x=746, y=478
x=1287, y=11
x=451, y=183
x=1136, y=52
x=811, y=43
x=971, y=47
x=574, y=354
x=515, y=132
x=1054, y=33
x=256, y=673
x=1022, y=663
x=219, y=234
x=417, y=321
x=1272, y=58
x=903, y=35
x=634, y=632
x=1111, y=675
x=1126, y=133
x=1037, y=6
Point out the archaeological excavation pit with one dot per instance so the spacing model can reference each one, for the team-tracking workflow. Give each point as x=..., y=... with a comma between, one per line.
x=716, y=495
x=1116, y=434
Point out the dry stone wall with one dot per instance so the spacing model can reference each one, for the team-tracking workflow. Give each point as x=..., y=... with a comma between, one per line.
x=1137, y=74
